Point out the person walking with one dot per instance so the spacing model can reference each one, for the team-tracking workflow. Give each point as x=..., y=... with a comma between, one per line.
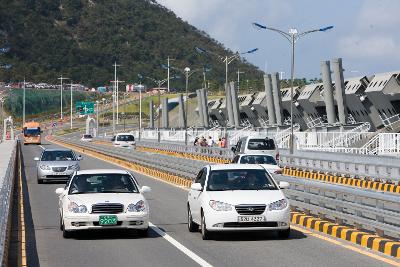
x=223, y=142
x=210, y=142
x=196, y=141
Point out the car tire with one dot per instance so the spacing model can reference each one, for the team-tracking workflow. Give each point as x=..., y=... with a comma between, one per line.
x=284, y=234
x=192, y=226
x=66, y=234
x=143, y=232
x=205, y=234
x=61, y=225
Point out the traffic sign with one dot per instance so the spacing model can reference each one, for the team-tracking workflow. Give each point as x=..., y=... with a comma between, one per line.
x=84, y=108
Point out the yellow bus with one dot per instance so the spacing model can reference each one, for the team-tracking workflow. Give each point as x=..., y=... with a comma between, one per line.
x=32, y=132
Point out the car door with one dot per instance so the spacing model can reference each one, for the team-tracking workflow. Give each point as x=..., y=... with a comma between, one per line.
x=195, y=196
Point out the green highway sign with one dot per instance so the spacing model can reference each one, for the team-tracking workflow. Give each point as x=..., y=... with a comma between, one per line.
x=84, y=108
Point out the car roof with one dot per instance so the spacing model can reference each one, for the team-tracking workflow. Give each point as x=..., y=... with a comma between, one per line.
x=124, y=134
x=57, y=149
x=255, y=154
x=102, y=171
x=235, y=167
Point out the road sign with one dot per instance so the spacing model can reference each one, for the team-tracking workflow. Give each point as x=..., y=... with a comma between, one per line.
x=84, y=108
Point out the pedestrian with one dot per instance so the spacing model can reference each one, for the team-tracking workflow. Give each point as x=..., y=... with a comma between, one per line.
x=219, y=142
x=223, y=142
x=196, y=141
x=210, y=142
x=203, y=141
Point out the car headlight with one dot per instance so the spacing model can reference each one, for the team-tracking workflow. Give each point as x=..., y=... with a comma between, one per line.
x=45, y=167
x=220, y=206
x=278, y=205
x=73, y=167
x=137, y=207
x=75, y=208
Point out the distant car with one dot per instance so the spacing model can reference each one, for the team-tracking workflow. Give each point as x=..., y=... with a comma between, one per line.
x=267, y=161
x=256, y=145
x=56, y=165
x=87, y=138
x=126, y=140
x=237, y=197
x=103, y=199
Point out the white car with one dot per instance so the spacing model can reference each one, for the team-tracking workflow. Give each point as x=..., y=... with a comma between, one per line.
x=256, y=145
x=126, y=140
x=237, y=197
x=103, y=199
x=267, y=161
x=87, y=138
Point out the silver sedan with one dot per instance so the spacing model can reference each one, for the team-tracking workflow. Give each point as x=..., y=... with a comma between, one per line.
x=56, y=165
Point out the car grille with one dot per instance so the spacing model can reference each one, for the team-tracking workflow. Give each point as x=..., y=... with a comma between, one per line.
x=251, y=224
x=59, y=169
x=250, y=209
x=107, y=208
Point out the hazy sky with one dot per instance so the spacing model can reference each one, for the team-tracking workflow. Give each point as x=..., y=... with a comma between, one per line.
x=366, y=32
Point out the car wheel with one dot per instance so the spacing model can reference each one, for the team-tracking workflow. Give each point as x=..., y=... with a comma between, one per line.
x=66, y=234
x=143, y=232
x=284, y=233
x=205, y=234
x=61, y=225
x=192, y=226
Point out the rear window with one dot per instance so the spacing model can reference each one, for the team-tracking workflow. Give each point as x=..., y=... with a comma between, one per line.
x=126, y=138
x=261, y=144
x=258, y=159
x=87, y=136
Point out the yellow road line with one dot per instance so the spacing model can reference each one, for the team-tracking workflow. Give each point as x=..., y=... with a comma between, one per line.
x=22, y=228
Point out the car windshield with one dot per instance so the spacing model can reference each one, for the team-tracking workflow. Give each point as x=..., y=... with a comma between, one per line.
x=87, y=136
x=31, y=131
x=125, y=138
x=261, y=144
x=58, y=156
x=226, y=180
x=102, y=183
x=258, y=159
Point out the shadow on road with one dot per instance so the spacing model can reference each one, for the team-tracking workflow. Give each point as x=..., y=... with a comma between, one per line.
x=111, y=234
x=256, y=236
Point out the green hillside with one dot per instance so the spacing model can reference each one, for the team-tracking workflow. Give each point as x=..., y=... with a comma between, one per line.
x=82, y=38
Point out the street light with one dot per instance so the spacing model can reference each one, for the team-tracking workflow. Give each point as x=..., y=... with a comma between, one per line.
x=61, y=90
x=292, y=36
x=140, y=76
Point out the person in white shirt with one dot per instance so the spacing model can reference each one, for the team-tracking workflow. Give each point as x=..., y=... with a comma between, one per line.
x=210, y=142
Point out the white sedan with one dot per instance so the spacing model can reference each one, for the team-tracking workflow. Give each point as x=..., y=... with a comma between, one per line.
x=237, y=197
x=265, y=160
x=103, y=199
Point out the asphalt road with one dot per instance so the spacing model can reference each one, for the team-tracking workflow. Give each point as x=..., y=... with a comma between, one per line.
x=47, y=247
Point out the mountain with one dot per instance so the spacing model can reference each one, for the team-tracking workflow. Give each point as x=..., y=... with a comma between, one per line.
x=81, y=39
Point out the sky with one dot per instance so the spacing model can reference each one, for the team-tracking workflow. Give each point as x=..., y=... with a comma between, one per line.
x=365, y=33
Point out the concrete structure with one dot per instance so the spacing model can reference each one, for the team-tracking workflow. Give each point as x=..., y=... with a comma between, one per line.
x=206, y=121
x=200, y=108
x=276, y=92
x=259, y=108
x=247, y=113
x=328, y=92
x=340, y=90
x=228, y=105
x=298, y=112
x=306, y=100
x=215, y=116
x=165, y=118
x=235, y=105
x=182, y=117
x=269, y=99
x=151, y=114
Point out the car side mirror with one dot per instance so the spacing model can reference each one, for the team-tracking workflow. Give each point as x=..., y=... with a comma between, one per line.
x=145, y=189
x=113, y=139
x=196, y=187
x=59, y=191
x=233, y=149
x=80, y=157
x=284, y=185
x=36, y=158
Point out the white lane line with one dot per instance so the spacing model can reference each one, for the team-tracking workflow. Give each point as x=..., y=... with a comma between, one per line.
x=179, y=246
x=42, y=147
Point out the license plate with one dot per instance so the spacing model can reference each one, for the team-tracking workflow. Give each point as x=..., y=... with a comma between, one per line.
x=60, y=173
x=245, y=219
x=108, y=220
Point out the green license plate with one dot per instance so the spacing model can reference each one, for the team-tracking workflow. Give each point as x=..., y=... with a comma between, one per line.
x=108, y=220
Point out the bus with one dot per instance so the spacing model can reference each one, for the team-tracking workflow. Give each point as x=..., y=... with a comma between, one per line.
x=31, y=131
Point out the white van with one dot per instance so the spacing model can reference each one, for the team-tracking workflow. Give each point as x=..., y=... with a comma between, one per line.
x=256, y=145
x=126, y=140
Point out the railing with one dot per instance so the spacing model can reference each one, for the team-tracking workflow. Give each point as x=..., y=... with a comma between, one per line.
x=7, y=170
x=346, y=139
x=363, y=209
x=312, y=123
x=389, y=121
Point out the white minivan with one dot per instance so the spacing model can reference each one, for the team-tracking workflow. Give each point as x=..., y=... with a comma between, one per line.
x=126, y=140
x=256, y=145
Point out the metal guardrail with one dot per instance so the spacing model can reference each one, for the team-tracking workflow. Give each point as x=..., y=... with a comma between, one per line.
x=363, y=209
x=7, y=170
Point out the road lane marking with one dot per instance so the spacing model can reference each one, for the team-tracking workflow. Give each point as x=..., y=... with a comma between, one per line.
x=179, y=246
x=42, y=147
x=21, y=213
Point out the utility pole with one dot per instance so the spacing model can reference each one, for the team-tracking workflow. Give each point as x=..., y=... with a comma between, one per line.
x=23, y=105
x=167, y=75
x=238, y=79
x=71, y=107
x=61, y=99
x=114, y=94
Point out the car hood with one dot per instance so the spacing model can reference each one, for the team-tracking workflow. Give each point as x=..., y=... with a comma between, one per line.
x=246, y=196
x=59, y=163
x=270, y=167
x=90, y=199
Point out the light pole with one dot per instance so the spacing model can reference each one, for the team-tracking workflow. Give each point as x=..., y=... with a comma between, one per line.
x=140, y=76
x=71, y=107
x=97, y=117
x=23, y=105
x=103, y=100
x=61, y=98
x=114, y=93
x=292, y=36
